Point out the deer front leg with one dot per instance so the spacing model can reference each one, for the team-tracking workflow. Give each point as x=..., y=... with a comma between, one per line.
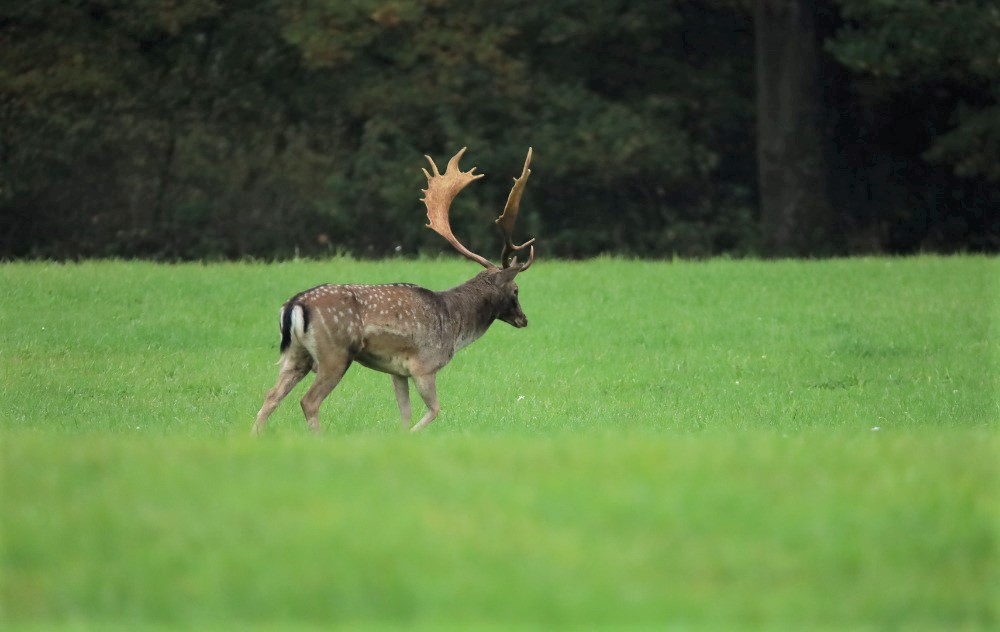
x=426, y=386
x=402, y=387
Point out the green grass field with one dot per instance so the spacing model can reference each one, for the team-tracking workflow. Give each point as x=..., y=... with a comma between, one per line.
x=715, y=445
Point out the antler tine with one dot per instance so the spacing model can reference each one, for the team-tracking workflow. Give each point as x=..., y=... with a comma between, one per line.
x=441, y=190
x=508, y=218
x=531, y=258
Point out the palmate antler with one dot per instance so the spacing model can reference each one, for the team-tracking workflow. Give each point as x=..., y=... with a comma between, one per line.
x=442, y=189
x=508, y=218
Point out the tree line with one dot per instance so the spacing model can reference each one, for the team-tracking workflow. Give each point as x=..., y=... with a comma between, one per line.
x=197, y=129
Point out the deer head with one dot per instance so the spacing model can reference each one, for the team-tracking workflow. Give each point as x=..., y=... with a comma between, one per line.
x=442, y=188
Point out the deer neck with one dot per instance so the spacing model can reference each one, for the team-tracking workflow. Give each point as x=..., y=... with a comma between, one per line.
x=473, y=306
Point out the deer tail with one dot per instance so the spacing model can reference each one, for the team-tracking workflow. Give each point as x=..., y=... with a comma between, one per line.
x=293, y=321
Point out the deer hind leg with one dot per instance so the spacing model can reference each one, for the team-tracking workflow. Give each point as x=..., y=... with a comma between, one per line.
x=402, y=387
x=295, y=365
x=328, y=374
x=427, y=387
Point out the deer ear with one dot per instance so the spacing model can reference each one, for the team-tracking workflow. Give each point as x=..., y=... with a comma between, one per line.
x=505, y=276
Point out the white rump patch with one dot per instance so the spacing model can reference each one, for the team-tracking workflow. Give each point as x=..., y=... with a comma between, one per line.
x=299, y=335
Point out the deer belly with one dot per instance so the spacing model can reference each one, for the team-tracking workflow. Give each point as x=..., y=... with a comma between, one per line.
x=400, y=355
x=389, y=354
x=385, y=364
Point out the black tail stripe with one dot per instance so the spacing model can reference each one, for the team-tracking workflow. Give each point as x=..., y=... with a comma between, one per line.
x=286, y=326
x=286, y=321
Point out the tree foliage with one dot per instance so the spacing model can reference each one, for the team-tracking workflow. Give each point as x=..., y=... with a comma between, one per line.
x=947, y=49
x=179, y=129
x=924, y=93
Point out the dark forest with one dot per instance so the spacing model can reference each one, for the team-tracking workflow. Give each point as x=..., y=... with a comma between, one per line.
x=198, y=129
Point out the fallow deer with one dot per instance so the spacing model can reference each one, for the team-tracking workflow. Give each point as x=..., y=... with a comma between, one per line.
x=401, y=329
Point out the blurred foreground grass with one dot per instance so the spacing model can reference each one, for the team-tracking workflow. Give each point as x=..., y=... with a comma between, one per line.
x=733, y=531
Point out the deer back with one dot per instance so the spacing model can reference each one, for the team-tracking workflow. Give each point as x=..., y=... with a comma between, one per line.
x=400, y=307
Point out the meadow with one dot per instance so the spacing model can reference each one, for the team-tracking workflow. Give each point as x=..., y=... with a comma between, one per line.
x=668, y=445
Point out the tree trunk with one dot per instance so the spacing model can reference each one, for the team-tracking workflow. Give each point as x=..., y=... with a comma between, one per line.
x=797, y=217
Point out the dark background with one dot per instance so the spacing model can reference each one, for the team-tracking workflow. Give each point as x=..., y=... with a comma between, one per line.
x=198, y=129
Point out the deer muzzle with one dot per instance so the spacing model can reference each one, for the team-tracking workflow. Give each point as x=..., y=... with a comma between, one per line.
x=518, y=320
